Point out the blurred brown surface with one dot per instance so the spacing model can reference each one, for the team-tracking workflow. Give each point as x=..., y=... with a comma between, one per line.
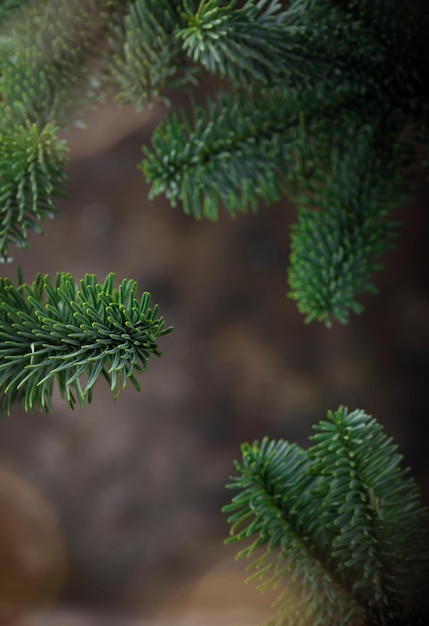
x=135, y=486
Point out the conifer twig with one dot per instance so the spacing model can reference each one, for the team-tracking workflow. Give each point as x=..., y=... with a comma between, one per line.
x=32, y=172
x=72, y=334
x=342, y=525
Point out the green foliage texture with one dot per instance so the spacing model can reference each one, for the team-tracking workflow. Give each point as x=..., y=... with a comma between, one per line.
x=72, y=333
x=318, y=104
x=326, y=102
x=338, y=530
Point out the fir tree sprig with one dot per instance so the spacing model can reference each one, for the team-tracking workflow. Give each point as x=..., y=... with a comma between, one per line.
x=342, y=525
x=32, y=173
x=345, y=226
x=373, y=510
x=236, y=152
x=72, y=334
x=275, y=509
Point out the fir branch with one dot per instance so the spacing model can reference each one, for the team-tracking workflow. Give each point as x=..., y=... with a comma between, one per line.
x=374, y=510
x=250, y=145
x=342, y=526
x=72, y=334
x=236, y=152
x=146, y=58
x=336, y=244
x=275, y=504
x=32, y=163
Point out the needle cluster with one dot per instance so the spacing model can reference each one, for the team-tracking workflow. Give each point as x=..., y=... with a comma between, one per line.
x=72, y=333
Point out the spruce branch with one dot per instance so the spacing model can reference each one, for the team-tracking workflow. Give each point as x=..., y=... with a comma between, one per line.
x=374, y=510
x=72, y=334
x=342, y=524
x=345, y=226
x=32, y=172
x=237, y=152
x=275, y=509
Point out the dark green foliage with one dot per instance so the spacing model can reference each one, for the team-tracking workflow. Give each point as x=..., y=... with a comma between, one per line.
x=72, y=334
x=234, y=154
x=325, y=101
x=32, y=162
x=146, y=59
x=8, y=7
x=344, y=82
x=312, y=99
x=242, y=44
x=51, y=61
x=264, y=42
x=309, y=94
x=343, y=230
x=56, y=60
x=342, y=526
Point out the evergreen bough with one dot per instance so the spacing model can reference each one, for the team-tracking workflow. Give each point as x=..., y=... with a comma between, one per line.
x=338, y=530
x=72, y=333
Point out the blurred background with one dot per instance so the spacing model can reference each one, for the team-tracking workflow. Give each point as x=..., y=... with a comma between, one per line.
x=111, y=514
